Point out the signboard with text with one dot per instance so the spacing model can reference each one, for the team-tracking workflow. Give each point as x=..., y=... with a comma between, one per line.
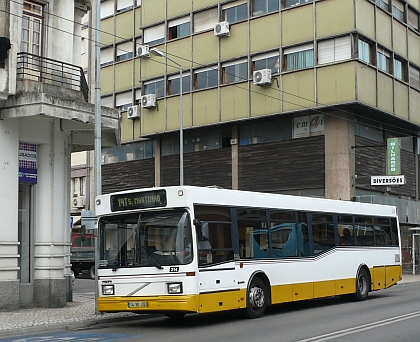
x=27, y=163
x=393, y=157
x=387, y=180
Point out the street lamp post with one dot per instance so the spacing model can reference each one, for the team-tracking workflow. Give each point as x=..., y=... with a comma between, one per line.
x=159, y=53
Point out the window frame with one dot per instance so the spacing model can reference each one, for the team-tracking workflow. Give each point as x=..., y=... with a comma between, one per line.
x=237, y=71
x=227, y=8
x=205, y=70
x=147, y=88
x=266, y=57
x=297, y=51
x=267, y=3
x=175, y=26
x=185, y=89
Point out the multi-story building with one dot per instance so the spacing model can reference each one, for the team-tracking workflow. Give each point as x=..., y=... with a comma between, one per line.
x=44, y=116
x=291, y=96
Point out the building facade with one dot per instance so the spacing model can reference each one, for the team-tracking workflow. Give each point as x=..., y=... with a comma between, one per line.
x=44, y=116
x=291, y=96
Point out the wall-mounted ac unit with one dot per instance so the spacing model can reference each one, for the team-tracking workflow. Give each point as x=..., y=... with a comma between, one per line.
x=262, y=77
x=148, y=101
x=132, y=112
x=143, y=51
x=221, y=29
x=79, y=202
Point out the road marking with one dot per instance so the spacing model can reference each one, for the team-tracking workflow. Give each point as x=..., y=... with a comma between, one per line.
x=363, y=327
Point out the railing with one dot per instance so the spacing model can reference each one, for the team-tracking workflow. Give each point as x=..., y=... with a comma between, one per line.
x=50, y=71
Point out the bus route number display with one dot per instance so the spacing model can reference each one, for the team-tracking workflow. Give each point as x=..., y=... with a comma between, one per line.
x=138, y=200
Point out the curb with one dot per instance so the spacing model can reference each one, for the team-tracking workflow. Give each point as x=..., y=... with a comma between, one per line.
x=50, y=327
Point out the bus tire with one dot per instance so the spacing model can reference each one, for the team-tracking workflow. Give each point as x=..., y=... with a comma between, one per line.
x=92, y=272
x=362, y=285
x=256, y=298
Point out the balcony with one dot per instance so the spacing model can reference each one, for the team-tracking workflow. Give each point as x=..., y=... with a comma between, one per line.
x=47, y=89
x=50, y=71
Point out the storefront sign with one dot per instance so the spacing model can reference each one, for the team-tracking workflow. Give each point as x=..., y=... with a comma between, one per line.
x=27, y=163
x=306, y=126
x=393, y=156
x=387, y=180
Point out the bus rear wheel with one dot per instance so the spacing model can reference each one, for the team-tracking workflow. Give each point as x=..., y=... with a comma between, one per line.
x=362, y=285
x=257, y=299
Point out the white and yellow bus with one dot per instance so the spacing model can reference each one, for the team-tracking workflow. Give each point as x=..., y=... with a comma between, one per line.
x=179, y=250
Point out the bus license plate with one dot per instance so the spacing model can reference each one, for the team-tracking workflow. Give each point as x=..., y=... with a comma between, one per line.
x=137, y=304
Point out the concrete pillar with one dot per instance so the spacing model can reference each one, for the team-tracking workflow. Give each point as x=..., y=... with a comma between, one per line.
x=339, y=156
x=61, y=41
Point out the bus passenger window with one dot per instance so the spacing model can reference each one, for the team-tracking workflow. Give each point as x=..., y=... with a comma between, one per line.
x=346, y=234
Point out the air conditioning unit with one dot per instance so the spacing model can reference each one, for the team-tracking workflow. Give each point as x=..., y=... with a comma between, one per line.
x=143, y=51
x=132, y=112
x=221, y=29
x=79, y=202
x=148, y=101
x=262, y=77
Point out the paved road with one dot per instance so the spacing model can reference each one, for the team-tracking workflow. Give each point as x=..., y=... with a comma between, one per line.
x=387, y=314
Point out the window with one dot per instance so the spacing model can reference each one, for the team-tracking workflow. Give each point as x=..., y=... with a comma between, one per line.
x=154, y=35
x=205, y=20
x=174, y=85
x=264, y=6
x=384, y=4
x=124, y=51
x=123, y=100
x=236, y=11
x=107, y=101
x=134, y=151
x=206, y=78
x=414, y=77
x=82, y=184
x=299, y=57
x=413, y=19
x=364, y=231
x=266, y=61
x=322, y=232
x=290, y=3
x=400, y=69
x=107, y=8
x=262, y=132
x=364, y=49
x=398, y=9
x=235, y=72
x=202, y=141
x=32, y=24
x=107, y=56
x=383, y=58
x=334, y=50
x=154, y=87
x=179, y=28
x=123, y=5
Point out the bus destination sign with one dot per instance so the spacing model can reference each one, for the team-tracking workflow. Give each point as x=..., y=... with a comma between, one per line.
x=138, y=200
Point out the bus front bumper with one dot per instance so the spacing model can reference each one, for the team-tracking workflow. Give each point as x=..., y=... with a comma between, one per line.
x=182, y=303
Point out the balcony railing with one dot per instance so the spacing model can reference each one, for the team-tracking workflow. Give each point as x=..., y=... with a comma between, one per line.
x=50, y=71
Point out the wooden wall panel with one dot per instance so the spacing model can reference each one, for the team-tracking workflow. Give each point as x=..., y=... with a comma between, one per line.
x=204, y=168
x=283, y=165
x=128, y=175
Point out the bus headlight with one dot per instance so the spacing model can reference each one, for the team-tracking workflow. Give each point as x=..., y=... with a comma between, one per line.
x=175, y=288
x=107, y=290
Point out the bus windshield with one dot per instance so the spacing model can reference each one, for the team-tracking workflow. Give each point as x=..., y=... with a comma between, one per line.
x=158, y=238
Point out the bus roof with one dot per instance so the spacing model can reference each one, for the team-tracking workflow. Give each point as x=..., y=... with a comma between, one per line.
x=186, y=196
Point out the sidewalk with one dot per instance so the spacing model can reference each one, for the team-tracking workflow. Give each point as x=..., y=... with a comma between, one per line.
x=77, y=314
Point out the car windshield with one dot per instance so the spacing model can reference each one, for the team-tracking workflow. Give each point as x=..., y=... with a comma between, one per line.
x=158, y=238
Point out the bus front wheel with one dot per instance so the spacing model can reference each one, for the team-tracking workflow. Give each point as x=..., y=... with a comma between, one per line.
x=362, y=285
x=257, y=299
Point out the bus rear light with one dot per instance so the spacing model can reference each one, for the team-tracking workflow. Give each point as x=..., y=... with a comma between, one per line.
x=175, y=288
x=107, y=290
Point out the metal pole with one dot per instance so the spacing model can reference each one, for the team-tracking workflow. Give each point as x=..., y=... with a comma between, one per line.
x=98, y=137
x=181, y=132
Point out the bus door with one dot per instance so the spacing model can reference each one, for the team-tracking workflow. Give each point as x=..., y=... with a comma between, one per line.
x=218, y=289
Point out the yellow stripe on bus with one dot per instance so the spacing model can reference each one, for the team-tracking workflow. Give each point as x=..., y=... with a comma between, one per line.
x=381, y=277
